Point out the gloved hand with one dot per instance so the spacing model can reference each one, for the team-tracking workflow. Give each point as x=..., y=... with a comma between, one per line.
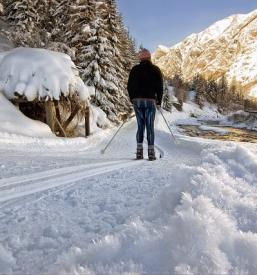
x=124, y=117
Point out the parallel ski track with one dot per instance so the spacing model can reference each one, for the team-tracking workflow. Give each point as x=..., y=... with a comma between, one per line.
x=16, y=188
x=17, y=180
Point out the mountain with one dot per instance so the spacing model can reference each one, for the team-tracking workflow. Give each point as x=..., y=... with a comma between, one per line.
x=228, y=47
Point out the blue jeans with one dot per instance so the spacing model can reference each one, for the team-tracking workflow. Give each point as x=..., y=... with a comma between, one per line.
x=145, y=113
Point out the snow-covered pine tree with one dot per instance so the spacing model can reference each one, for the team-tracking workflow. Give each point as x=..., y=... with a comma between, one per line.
x=91, y=32
x=47, y=21
x=81, y=35
x=121, y=59
x=95, y=33
x=200, y=86
x=107, y=86
x=24, y=18
x=129, y=55
x=57, y=16
x=212, y=91
x=167, y=104
x=223, y=99
x=1, y=8
x=236, y=91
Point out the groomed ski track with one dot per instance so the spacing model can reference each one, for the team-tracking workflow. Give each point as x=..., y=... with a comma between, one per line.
x=51, y=184
x=19, y=186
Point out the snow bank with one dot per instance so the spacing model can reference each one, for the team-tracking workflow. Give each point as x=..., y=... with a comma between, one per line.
x=12, y=121
x=39, y=73
x=192, y=114
x=203, y=223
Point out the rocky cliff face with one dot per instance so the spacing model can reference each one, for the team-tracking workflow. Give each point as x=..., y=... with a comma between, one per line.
x=228, y=47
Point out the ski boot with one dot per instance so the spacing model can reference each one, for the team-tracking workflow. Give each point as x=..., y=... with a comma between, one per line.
x=140, y=154
x=151, y=154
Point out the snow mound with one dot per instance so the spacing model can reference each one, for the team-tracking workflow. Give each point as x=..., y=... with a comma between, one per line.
x=204, y=222
x=39, y=73
x=12, y=121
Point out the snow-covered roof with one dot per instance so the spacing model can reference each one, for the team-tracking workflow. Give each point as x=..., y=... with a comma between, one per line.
x=39, y=74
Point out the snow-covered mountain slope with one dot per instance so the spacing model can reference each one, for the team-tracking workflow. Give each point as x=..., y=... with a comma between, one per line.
x=12, y=121
x=228, y=47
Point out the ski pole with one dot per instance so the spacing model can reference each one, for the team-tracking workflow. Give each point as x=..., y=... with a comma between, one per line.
x=164, y=118
x=108, y=144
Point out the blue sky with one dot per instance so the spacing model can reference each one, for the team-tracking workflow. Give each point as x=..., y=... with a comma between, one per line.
x=166, y=22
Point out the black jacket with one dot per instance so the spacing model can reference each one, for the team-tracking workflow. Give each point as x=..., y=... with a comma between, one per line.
x=145, y=81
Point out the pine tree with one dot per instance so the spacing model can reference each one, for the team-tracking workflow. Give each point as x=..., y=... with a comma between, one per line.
x=57, y=16
x=236, y=91
x=24, y=19
x=200, y=86
x=212, y=91
x=128, y=53
x=1, y=8
x=167, y=104
x=99, y=53
x=91, y=32
x=223, y=98
x=179, y=91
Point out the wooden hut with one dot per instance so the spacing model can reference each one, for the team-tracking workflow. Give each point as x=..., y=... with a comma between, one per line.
x=57, y=114
x=45, y=86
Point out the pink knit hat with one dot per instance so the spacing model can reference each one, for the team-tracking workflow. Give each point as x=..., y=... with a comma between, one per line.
x=144, y=54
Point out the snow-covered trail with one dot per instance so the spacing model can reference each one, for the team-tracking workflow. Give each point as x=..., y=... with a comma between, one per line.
x=67, y=209
x=91, y=194
x=71, y=167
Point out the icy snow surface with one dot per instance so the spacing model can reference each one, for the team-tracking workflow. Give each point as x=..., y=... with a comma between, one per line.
x=214, y=129
x=67, y=209
x=39, y=73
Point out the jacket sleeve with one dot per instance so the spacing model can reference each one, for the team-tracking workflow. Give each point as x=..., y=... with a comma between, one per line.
x=131, y=84
x=159, y=86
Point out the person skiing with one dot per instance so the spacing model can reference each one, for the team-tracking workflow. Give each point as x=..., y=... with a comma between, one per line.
x=145, y=88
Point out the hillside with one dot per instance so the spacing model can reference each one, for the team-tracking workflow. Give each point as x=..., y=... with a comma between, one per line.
x=228, y=47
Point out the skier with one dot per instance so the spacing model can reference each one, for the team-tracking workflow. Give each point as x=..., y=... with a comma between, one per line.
x=145, y=87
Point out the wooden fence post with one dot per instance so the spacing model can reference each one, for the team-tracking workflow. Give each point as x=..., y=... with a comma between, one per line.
x=50, y=114
x=87, y=121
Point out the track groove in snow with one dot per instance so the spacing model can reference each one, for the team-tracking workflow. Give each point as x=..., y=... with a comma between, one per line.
x=8, y=182
x=17, y=189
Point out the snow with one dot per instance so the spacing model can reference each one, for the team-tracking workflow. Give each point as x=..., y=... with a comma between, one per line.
x=214, y=129
x=12, y=121
x=227, y=46
x=240, y=119
x=163, y=48
x=215, y=30
x=67, y=209
x=39, y=73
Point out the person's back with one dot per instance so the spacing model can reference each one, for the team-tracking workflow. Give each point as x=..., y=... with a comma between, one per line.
x=145, y=82
x=145, y=87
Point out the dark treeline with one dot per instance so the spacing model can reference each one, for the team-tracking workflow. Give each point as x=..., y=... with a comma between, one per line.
x=227, y=96
x=91, y=32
